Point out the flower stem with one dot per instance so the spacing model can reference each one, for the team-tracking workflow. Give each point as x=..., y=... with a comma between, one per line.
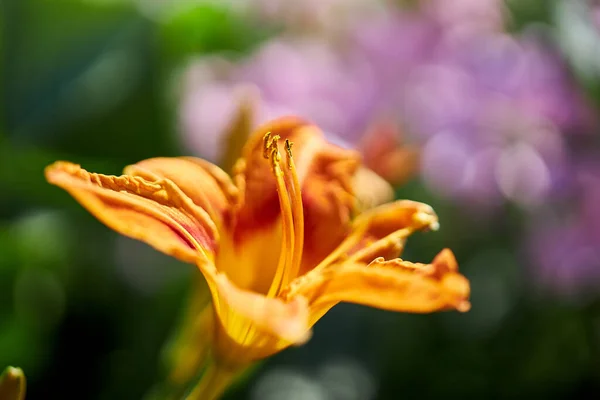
x=215, y=379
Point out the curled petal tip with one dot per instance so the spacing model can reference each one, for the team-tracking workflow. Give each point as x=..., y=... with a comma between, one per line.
x=458, y=288
x=429, y=269
x=50, y=172
x=427, y=218
x=463, y=306
x=446, y=259
x=298, y=337
x=296, y=329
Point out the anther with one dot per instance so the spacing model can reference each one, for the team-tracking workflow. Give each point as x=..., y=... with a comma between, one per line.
x=275, y=158
x=288, y=148
x=266, y=144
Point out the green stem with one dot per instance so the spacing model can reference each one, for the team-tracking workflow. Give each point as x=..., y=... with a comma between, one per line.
x=213, y=383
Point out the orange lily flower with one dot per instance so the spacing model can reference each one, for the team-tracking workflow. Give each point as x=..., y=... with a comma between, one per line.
x=278, y=244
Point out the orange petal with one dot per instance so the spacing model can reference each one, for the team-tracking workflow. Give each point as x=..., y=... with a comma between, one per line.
x=382, y=231
x=329, y=203
x=207, y=185
x=401, y=214
x=370, y=189
x=252, y=173
x=394, y=285
x=253, y=326
x=156, y=212
x=285, y=320
x=325, y=174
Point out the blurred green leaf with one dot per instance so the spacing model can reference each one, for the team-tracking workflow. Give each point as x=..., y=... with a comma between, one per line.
x=52, y=44
x=207, y=28
x=524, y=13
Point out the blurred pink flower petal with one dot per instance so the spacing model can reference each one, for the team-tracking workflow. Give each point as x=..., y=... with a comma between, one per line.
x=564, y=247
x=474, y=99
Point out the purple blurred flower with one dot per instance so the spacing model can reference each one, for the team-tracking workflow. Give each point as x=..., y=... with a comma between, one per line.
x=565, y=248
x=481, y=101
x=209, y=101
x=491, y=114
x=467, y=17
x=489, y=109
x=595, y=12
x=305, y=77
x=308, y=77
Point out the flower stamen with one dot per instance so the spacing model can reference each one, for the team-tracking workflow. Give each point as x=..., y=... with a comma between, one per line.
x=271, y=148
x=292, y=213
x=288, y=149
x=294, y=191
x=266, y=144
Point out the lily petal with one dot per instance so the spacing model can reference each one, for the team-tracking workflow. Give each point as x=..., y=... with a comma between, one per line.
x=329, y=202
x=156, y=212
x=371, y=190
x=315, y=159
x=394, y=285
x=391, y=217
x=382, y=232
x=259, y=206
x=254, y=326
x=285, y=320
x=325, y=175
x=207, y=185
